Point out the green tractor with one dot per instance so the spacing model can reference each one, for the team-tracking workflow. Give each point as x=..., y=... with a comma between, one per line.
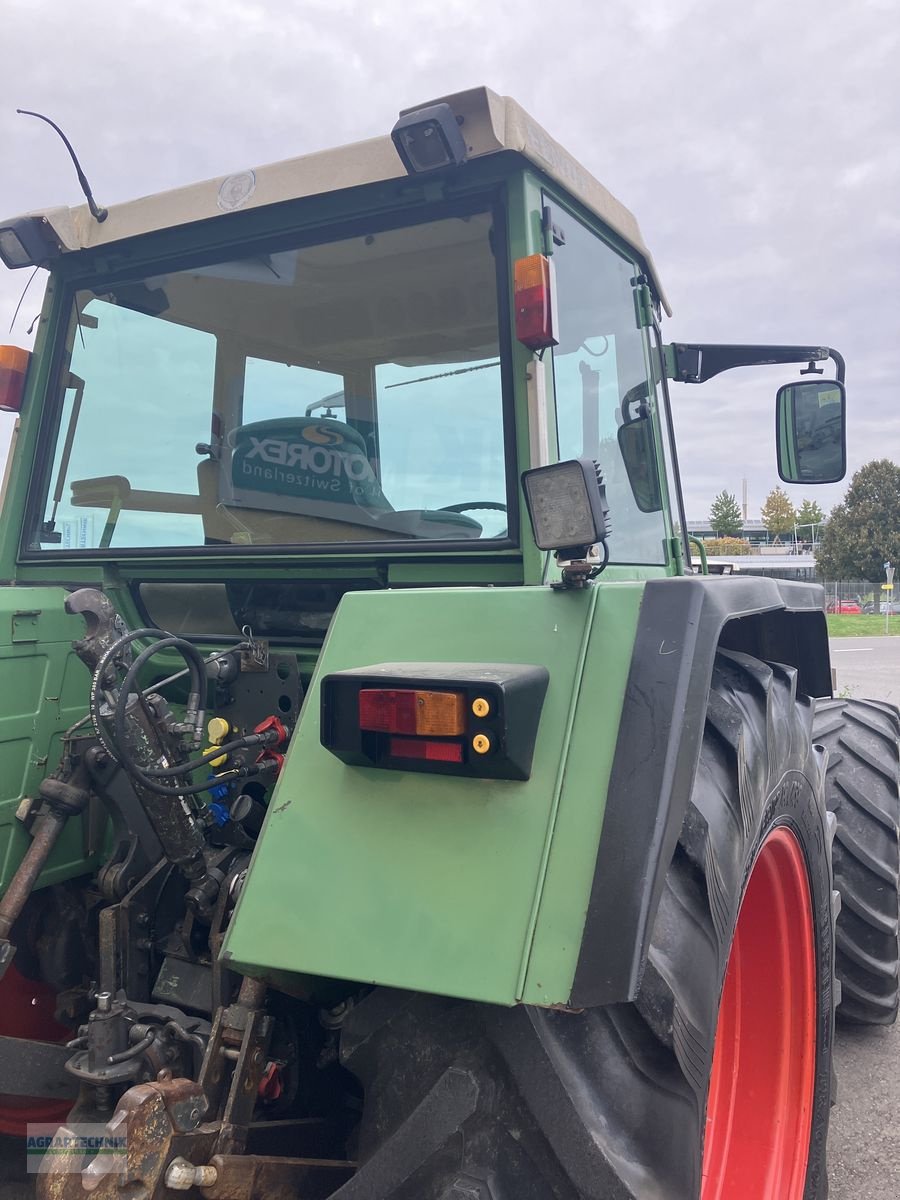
x=388, y=808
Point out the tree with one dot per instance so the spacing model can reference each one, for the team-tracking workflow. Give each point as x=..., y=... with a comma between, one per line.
x=808, y=516
x=725, y=515
x=863, y=532
x=778, y=512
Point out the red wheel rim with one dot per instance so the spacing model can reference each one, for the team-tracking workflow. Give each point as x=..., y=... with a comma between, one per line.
x=759, y=1110
x=26, y=1011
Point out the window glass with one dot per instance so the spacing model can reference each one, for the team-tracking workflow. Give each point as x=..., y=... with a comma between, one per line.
x=604, y=403
x=274, y=389
x=137, y=403
x=454, y=457
x=343, y=392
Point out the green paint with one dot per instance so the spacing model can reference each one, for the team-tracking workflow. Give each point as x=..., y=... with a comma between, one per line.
x=44, y=692
x=578, y=816
x=433, y=882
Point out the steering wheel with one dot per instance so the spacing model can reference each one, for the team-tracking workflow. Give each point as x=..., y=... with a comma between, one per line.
x=473, y=504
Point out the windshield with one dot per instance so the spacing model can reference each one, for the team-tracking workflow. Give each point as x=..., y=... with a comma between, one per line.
x=342, y=392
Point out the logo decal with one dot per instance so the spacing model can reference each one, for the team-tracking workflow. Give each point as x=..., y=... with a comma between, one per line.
x=236, y=190
x=320, y=436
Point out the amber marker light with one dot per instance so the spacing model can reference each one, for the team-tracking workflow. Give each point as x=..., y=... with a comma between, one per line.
x=534, y=299
x=422, y=713
x=13, y=369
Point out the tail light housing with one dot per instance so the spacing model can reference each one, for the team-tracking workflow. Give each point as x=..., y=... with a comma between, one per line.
x=13, y=370
x=475, y=719
x=534, y=297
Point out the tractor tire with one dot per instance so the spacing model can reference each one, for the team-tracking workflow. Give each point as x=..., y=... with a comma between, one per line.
x=714, y=1083
x=862, y=789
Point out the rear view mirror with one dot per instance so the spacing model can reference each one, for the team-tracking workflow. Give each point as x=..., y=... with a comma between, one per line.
x=811, y=431
x=638, y=452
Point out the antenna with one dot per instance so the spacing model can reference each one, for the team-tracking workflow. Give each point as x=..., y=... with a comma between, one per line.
x=99, y=214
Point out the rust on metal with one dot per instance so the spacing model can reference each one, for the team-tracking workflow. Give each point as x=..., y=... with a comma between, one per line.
x=159, y=1121
x=249, y=1176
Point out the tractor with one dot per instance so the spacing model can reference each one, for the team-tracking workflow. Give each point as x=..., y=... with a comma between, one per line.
x=391, y=805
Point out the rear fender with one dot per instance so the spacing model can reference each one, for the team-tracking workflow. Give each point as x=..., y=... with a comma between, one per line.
x=682, y=624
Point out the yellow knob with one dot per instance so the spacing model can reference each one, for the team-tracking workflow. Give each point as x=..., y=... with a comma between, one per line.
x=215, y=762
x=218, y=729
x=481, y=707
x=481, y=743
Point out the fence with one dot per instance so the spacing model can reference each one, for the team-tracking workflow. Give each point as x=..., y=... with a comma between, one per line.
x=850, y=595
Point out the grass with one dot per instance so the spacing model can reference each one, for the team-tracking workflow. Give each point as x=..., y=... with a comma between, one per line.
x=860, y=625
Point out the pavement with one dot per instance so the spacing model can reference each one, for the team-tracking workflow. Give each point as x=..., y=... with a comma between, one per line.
x=868, y=667
x=864, y=1139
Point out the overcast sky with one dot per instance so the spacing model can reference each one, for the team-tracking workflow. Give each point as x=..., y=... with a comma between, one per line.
x=758, y=145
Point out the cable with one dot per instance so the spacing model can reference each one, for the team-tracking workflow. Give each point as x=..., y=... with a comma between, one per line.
x=190, y=653
x=106, y=740
x=242, y=743
x=116, y=743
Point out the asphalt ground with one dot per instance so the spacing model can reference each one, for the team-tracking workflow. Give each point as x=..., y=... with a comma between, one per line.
x=864, y=1139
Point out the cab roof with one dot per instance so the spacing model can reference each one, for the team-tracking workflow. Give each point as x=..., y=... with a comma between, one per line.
x=490, y=124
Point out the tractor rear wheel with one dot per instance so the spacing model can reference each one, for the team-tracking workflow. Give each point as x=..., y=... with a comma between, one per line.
x=862, y=789
x=714, y=1083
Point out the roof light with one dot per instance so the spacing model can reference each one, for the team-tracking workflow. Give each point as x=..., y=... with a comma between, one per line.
x=429, y=138
x=28, y=242
x=534, y=296
x=13, y=369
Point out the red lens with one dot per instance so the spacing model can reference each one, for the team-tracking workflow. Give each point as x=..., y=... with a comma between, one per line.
x=424, y=748
x=386, y=711
x=534, y=302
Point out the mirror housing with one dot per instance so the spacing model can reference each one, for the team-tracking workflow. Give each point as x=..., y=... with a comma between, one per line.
x=811, y=431
x=638, y=450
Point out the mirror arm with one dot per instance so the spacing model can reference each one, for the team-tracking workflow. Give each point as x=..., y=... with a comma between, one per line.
x=695, y=362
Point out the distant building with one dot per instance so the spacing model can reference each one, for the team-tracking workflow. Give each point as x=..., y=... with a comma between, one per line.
x=775, y=566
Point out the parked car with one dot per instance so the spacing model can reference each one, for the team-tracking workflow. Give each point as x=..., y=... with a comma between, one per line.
x=843, y=606
x=887, y=606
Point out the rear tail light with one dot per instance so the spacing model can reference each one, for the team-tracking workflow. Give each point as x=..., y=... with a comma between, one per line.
x=534, y=297
x=385, y=710
x=425, y=748
x=13, y=369
x=474, y=719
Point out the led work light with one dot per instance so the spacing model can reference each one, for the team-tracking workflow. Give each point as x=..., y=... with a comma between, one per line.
x=28, y=242
x=429, y=138
x=567, y=507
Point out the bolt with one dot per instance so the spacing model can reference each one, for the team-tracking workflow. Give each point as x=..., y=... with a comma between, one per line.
x=104, y=1002
x=182, y=1175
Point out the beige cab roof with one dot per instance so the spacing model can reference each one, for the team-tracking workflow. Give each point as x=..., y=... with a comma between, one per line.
x=491, y=124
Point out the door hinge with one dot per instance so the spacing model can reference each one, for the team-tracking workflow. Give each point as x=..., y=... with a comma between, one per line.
x=554, y=234
x=25, y=626
x=643, y=302
x=676, y=553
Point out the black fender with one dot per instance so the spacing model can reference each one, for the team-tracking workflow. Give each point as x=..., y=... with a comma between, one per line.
x=682, y=623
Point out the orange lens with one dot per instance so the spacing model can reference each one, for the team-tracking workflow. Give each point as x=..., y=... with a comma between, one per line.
x=13, y=367
x=441, y=714
x=402, y=710
x=534, y=302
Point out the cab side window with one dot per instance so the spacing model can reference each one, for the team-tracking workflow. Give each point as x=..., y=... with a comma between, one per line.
x=605, y=401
